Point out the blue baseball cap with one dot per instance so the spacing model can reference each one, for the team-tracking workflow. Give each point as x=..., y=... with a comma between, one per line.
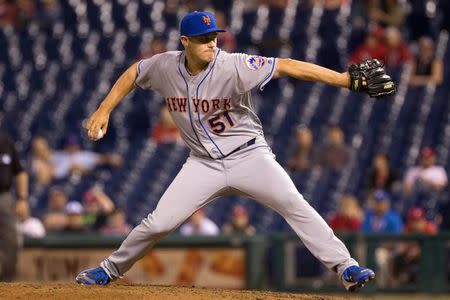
x=381, y=195
x=198, y=23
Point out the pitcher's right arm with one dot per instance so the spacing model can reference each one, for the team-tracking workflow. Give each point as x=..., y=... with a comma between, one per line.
x=99, y=119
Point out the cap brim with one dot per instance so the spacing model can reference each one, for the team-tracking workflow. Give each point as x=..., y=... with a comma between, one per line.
x=207, y=31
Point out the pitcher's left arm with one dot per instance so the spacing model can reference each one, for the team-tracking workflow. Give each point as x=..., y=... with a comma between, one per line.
x=369, y=76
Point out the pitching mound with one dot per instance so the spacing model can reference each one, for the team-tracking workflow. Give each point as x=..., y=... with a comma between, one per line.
x=69, y=291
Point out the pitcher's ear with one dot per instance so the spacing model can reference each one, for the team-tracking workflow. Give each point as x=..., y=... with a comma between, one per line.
x=184, y=41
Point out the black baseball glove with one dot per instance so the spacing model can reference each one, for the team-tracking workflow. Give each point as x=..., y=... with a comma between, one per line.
x=370, y=77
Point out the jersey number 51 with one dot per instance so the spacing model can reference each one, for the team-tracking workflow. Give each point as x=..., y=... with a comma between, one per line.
x=219, y=122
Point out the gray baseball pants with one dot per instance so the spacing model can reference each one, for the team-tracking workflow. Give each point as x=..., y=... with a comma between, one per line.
x=252, y=171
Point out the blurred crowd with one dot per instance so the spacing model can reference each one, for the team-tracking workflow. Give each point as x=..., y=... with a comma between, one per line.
x=411, y=190
x=46, y=166
x=391, y=203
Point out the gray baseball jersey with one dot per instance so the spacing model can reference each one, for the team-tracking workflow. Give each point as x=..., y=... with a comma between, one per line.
x=212, y=109
x=214, y=113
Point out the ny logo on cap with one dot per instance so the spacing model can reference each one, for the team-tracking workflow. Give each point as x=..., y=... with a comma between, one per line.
x=206, y=20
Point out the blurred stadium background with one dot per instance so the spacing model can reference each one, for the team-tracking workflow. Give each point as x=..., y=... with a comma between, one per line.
x=58, y=59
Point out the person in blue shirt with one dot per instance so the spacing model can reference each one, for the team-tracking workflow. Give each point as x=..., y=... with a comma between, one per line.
x=382, y=219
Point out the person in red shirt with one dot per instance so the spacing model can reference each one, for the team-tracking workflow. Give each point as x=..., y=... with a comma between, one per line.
x=398, y=52
x=417, y=222
x=371, y=48
x=349, y=216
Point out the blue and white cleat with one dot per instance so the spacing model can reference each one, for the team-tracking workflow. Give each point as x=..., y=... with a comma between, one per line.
x=354, y=277
x=95, y=276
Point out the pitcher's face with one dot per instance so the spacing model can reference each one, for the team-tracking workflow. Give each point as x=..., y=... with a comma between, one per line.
x=203, y=47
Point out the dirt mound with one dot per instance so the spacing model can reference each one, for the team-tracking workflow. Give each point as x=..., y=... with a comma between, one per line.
x=69, y=291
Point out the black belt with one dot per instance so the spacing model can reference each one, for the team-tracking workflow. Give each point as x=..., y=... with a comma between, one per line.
x=243, y=146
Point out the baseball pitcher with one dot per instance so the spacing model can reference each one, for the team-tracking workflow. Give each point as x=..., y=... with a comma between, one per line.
x=208, y=93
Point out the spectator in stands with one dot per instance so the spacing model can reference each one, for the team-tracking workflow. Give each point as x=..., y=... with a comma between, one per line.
x=407, y=254
x=301, y=159
x=165, y=131
x=156, y=46
x=74, y=160
x=381, y=218
x=75, y=222
x=27, y=225
x=225, y=41
x=116, y=223
x=97, y=207
x=387, y=13
x=427, y=176
x=334, y=153
x=382, y=176
x=8, y=13
x=199, y=224
x=426, y=67
x=55, y=219
x=398, y=52
x=239, y=222
x=47, y=164
x=349, y=216
x=373, y=47
x=41, y=161
x=417, y=222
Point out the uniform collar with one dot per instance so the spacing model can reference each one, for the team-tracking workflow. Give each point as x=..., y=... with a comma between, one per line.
x=185, y=71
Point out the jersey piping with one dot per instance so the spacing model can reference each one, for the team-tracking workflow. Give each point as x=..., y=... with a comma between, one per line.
x=268, y=77
x=198, y=112
x=189, y=108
